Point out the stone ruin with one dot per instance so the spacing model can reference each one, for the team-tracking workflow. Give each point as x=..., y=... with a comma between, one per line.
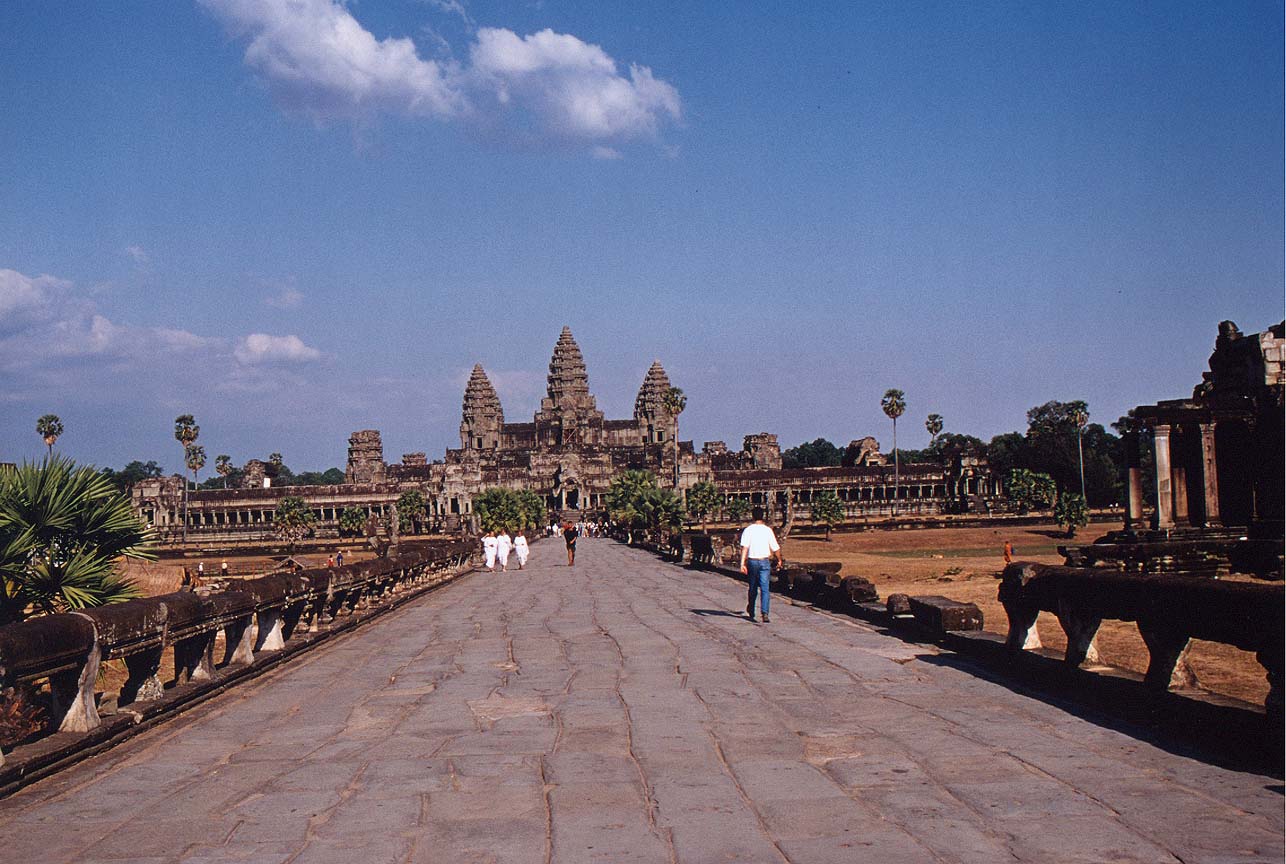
x=365, y=458
x=863, y=452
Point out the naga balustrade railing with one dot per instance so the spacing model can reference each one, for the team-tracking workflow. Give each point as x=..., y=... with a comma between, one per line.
x=253, y=615
x=1169, y=611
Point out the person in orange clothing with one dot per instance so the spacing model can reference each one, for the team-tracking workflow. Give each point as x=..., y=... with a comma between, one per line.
x=1009, y=552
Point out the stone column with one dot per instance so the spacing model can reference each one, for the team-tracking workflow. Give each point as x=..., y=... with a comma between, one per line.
x=1134, y=482
x=1179, y=474
x=1164, y=480
x=1210, y=474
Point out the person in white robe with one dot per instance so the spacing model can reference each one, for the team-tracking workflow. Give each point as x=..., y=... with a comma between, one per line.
x=522, y=549
x=489, y=549
x=504, y=545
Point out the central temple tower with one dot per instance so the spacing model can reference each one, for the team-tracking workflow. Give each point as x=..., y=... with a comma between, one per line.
x=568, y=415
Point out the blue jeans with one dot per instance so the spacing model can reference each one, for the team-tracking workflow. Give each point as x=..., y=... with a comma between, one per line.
x=757, y=571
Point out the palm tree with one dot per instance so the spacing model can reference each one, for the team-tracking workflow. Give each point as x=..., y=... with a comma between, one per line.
x=674, y=402
x=293, y=521
x=934, y=426
x=194, y=458
x=894, y=405
x=49, y=427
x=1080, y=416
x=703, y=498
x=736, y=509
x=62, y=529
x=223, y=467
x=185, y=432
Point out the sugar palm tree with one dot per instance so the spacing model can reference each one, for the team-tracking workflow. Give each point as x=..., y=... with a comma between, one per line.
x=223, y=467
x=185, y=432
x=894, y=405
x=62, y=530
x=49, y=427
x=194, y=458
x=674, y=402
x=934, y=427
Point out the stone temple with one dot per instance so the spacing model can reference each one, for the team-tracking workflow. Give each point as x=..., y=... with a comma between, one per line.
x=568, y=454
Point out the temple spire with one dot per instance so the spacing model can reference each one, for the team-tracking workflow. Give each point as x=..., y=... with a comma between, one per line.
x=651, y=399
x=482, y=414
x=568, y=379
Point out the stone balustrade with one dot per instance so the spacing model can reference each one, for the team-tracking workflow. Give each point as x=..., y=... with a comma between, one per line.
x=1169, y=611
x=255, y=616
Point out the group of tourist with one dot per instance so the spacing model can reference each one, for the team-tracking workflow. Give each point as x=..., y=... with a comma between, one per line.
x=759, y=548
x=582, y=529
x=497, y=545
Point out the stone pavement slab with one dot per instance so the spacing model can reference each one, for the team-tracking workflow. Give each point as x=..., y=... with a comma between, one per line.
x=622, y=711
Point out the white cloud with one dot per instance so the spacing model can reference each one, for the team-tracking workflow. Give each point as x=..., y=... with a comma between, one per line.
x=263, y=348
x=453, y=7
x=139, y=254
x=572, y=88
x=316, y=58
x=19, y=293
x=286, y=298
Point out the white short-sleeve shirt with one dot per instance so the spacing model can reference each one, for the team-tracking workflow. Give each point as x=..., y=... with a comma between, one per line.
x=759, y=541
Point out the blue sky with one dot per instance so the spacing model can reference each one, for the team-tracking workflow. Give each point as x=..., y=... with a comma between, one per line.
x=295, y=220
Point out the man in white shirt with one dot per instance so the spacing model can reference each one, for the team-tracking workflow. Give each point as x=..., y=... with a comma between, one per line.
x=758, y=547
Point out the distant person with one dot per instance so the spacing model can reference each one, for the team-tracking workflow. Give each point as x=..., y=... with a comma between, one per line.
x=1009, y=552
x=521, y=549
x=330, y=560
x=339, y=558
x=758, y=547
x=223, y=569
x=569, y=537
x=489, y=545
x=200, y=572
x=504, y=545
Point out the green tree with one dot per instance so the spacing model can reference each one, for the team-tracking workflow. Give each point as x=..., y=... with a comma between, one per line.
x=933, y=424
x=532, y=509
x=1071, y=512
x=625, y=497
x=49, y=427
x=498, y=509
x=410, y=511
x=132, y=473
x=352, y=521
x=293, y=521
x=661, y=509
x=812, y=454
x=62, y=530
x=894, y=405
x=1030, y=490
x=223, y=467
x=1008, y=451
x=703, y=499
x=185, y=432
x=828, y=509
x=737, y=509
x=329, y=477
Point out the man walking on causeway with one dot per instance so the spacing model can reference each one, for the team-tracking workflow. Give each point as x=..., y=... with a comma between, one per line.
x=569, y=537
x=758, y=547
